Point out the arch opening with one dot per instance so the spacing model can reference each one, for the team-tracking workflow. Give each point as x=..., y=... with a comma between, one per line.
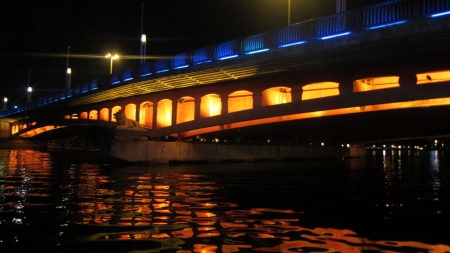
x=113, y=111
x=130, y=111
x=276, y=96
x=93, y=115
x=104, y=114
x=240, y=100
x=433, y=77
x=375, y=83
x=185, y=109
x=146, y=114
x=164, y=113
x=210, y=105
x=320, y=90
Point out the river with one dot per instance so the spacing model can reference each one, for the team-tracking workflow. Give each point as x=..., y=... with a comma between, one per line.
x=390, y=201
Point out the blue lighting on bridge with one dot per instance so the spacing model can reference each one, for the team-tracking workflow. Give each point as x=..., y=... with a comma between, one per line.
x=258, y=51
x=198, y=63
x=116, y=82
x=386, y=25
x=161, y=71
x=228, y=57
x=146, y=74
x=440, y=14
x=293, y=44
x=181, y=67
x=128, y=79
x=335, y=35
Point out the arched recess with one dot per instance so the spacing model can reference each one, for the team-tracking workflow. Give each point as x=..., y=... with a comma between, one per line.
x=67, y=117
x=93, y=115
x=185, y=109
x=130, y=111
x=320, y=90
x=104, y=114
x=210, y=105
x=113, y=111
x=240, y=100
x=433, y=77
x=146, y=114
x=84, y=115
x=164, y=113
x=74, y=116
x=375, y=83
x=276, y=96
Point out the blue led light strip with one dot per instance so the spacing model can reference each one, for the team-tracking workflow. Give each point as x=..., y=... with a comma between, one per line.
x=334, y=36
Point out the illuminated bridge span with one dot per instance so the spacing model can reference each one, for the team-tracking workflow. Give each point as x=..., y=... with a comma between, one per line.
x=369, y=71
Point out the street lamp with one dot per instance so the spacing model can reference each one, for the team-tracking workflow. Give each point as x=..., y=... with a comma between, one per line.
x=112, y=59
x=143, y=47
x=29, y=94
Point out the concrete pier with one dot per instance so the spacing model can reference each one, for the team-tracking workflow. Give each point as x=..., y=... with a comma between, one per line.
x=132, y=147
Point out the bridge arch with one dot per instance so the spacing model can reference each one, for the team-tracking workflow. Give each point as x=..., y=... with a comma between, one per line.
x=104, y=114
x=320, y=90
x=276, y=96
x=210, y=105
x=164, y=113
x=113, y=111
x=185, y=109
x=376, y=83
x=146, y=114
x=84, y=115
x=130, y=111
x=93, y=115
x=240, y=100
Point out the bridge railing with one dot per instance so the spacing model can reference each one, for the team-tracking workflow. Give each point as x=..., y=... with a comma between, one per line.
x=372, y=17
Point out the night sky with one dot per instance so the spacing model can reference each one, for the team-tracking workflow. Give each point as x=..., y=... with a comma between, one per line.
x=35, y=34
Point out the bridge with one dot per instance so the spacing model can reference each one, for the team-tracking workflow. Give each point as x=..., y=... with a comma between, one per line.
x=364, y=75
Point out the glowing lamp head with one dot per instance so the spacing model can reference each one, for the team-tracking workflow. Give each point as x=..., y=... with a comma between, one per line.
x=5, y=99
x=144, y=38
x=69, y=71
x=30, y=89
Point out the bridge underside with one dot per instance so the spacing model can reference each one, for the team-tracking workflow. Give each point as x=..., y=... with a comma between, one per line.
x=375, y=127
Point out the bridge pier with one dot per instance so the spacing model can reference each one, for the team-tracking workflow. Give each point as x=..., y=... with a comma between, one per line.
x=132, y=146
x=5, y=127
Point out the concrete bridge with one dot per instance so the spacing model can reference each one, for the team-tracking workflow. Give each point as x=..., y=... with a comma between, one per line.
x=370, y=74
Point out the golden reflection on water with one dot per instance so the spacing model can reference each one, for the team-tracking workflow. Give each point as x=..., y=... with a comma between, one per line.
x=180, y=212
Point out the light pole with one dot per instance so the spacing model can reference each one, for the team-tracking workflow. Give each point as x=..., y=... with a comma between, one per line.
x=289, y=12
x=5, y=101
x=69, y=71
x=143, y=46
x=112, y=59
x=29, y=94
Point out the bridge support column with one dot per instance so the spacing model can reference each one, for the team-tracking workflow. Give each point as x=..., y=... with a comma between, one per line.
x=5, y=129
x=407, y=80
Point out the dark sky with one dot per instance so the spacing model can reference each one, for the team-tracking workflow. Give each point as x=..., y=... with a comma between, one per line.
x=35, y=34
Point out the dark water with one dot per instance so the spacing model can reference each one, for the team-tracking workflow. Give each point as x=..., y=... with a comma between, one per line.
x=392, y=201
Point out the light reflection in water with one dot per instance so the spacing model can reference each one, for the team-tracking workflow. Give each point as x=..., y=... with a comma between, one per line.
x=181, y=212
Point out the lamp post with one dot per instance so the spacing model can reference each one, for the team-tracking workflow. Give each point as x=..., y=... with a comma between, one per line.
x=69, y=71
x=5, y=101
x=29, y=94
x=289, y=12
x=143, y=47
x=112, y=59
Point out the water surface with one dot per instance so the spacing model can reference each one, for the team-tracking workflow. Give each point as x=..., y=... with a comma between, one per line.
x=391, y=201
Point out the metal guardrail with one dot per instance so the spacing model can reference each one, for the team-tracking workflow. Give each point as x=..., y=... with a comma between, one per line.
x=371, y=17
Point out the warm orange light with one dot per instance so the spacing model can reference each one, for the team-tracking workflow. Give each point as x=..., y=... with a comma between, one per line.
x=113, y=111
x=104, y=114
x=320, y=90
x=185, y=109
x=239, y=101
x=210, y=105
x=375, y=83
x=164, y=113
x=93, y=115
x=276, y=96
x=146, y=114
x=433, y=77
x=130, y=111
